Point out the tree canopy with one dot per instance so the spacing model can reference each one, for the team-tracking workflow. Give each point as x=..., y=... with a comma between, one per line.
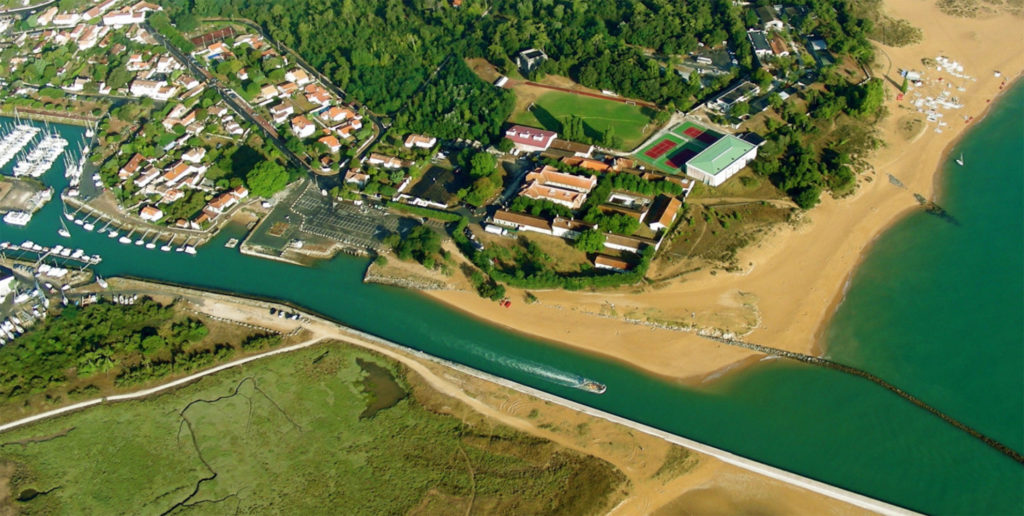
x=266, y=179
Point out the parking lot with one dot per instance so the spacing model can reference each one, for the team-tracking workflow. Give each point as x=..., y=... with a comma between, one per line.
x=355, y=226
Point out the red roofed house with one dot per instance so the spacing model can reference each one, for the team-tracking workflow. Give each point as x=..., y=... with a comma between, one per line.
x=337, y=114
x=151, y=213
x=131, y=167
x=528, y=139
x=302, y=127
x=316, y=94
x=221, y=203
x=176, y=173
x=345, y=131
x=331, y=143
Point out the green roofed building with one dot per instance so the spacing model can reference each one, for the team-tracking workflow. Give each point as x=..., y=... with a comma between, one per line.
x=721, y=160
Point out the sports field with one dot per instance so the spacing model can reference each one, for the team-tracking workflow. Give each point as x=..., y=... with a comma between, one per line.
x=552, y=108
x=670, y=152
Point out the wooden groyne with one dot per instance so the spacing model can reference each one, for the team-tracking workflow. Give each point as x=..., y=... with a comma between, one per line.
x=824, y=362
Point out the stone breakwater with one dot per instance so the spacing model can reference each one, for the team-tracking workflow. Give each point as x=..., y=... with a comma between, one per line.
x=372, y=276
x=824, y=362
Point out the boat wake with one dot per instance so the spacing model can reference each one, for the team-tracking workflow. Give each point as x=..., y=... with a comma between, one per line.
x=543, y=371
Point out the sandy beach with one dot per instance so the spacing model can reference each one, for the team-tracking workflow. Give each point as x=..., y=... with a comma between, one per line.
x=791, y=281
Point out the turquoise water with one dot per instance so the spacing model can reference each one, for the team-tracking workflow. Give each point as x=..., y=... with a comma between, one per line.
x=835, y=428
x=938, y=308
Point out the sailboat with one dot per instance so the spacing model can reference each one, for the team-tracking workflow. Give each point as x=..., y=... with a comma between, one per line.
x=63, y=230
x=960, y=160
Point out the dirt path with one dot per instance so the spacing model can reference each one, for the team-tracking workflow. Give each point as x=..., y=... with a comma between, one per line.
x=613, y=98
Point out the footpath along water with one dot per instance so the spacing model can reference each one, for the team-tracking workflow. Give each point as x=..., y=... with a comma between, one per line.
x=815, y=422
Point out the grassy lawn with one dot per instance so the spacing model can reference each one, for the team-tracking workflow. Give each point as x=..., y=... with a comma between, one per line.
x=327, y=430
x=551, y=109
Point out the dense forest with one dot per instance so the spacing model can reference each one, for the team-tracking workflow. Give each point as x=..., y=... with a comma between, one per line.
x=382, y=53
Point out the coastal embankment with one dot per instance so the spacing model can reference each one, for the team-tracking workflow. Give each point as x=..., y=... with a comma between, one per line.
x=791, y=281
x=319, y=329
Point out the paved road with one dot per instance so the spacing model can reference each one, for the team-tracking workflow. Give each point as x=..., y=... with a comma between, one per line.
x=379, y=128
x=236, y=103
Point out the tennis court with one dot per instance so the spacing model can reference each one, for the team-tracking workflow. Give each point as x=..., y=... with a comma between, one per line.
x=660, y=148
x=670, y=153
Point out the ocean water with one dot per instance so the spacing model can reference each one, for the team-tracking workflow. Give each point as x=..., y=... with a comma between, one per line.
x=937, y=307
x=820, y=423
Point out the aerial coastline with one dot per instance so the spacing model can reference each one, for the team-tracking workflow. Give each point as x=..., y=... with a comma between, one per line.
x=797, y=275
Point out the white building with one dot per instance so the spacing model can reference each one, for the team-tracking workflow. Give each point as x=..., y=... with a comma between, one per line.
x=721, y=160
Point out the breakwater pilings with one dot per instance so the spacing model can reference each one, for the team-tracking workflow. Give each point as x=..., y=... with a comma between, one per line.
x=824, y=362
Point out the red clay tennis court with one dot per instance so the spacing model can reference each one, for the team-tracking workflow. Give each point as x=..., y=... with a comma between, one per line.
x=693, y=132
x=661, y=148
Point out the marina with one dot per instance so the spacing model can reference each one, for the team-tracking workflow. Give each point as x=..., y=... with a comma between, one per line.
x=16, y=137
x=41, y=158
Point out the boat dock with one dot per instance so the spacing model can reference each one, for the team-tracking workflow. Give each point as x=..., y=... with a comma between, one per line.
x=127, y=231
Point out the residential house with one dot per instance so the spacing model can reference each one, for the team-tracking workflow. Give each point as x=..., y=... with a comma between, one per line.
x=768, y=18
x=98, y=9
x=302, y=127
x=152, y=89
x=386, y=161
x=151, y=213
x=345, y=131
x=420, y=141
x=286, y=89
x=124, y=17
x=67, y=19
x=131, y=167
x=46, y=17
x=759, y=41
x=147, y=177
x=267, y=93
x=194, y=155
x=136, y=63
x=298, y=76
x=78, y=84
x=337, y=114
x=316, y=94
x=281, y=111
x=779, y=47
x=356, y=177
x=331, y=143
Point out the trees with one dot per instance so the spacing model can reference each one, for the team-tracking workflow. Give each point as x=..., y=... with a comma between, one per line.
x=590, y=241
x=266, y=178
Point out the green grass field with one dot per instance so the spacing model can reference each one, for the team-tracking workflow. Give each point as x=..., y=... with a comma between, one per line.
x=551, y=110
x=292, y=434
